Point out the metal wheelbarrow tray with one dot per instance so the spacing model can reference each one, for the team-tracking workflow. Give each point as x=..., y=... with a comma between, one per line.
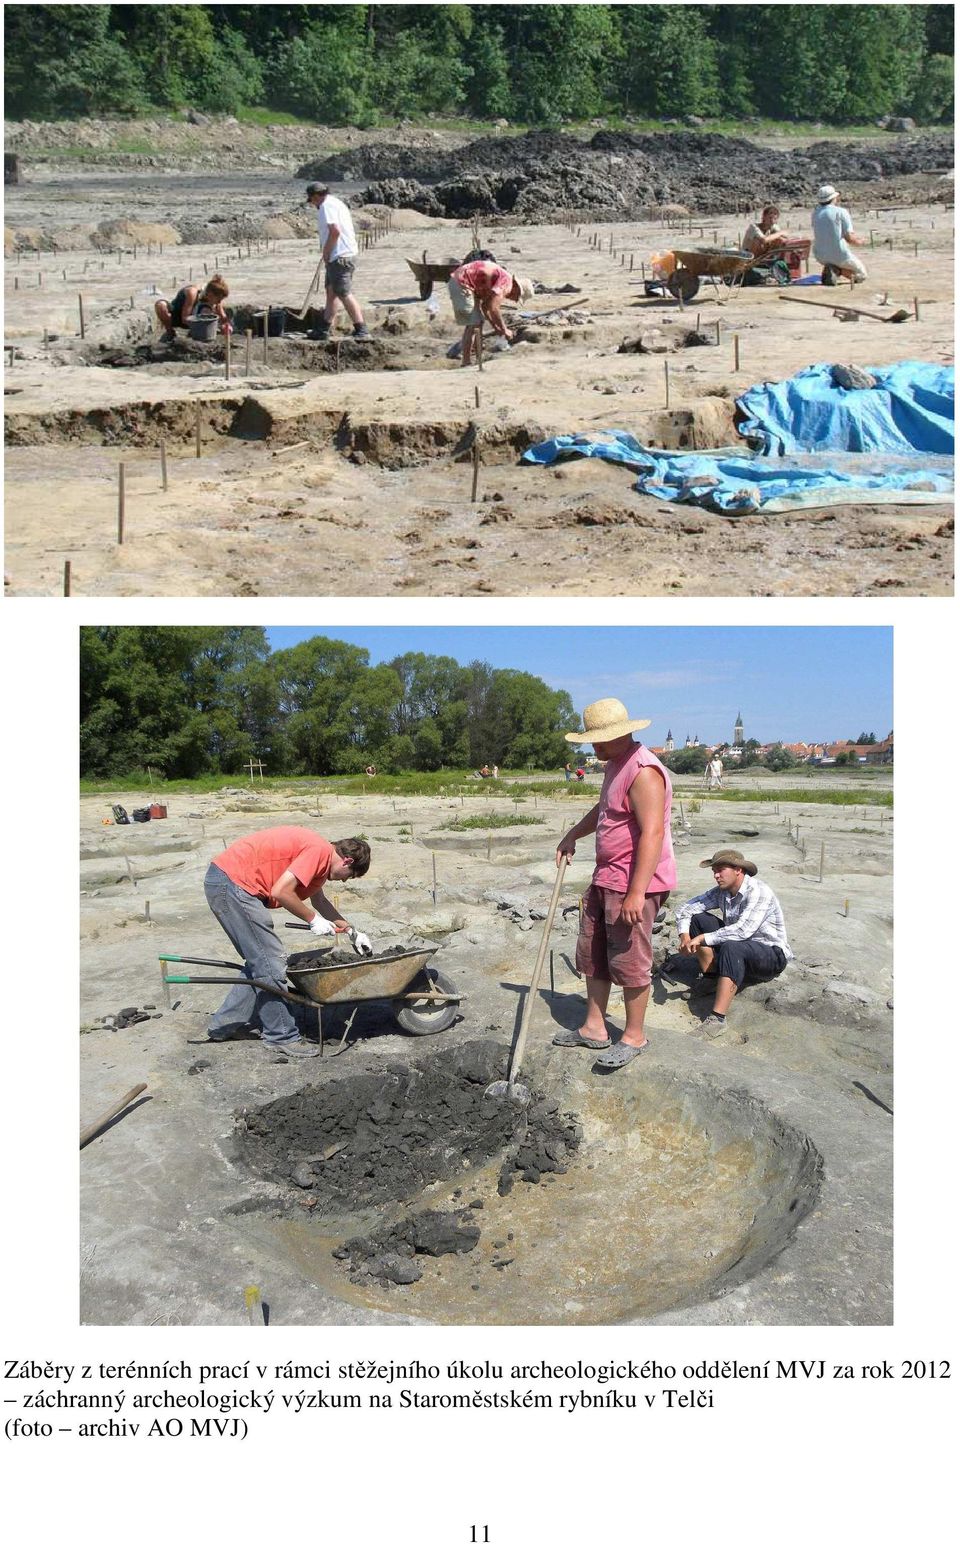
x=428, y=274
x=726, y=263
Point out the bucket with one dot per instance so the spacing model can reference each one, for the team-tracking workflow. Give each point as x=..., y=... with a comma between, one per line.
x=202, y=329
x=278, y=322
x=158, y=812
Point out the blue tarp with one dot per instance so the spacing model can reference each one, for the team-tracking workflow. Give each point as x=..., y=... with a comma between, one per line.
x=908, y=412
x=823, y=445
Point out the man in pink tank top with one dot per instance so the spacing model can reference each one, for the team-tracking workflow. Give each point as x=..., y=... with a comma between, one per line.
x=634, y=873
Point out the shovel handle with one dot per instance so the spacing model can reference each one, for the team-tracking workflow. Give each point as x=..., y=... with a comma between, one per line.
x=89, y=1132
x=517, y=1058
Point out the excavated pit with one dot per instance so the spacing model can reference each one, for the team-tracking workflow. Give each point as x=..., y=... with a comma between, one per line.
x=406, y=1189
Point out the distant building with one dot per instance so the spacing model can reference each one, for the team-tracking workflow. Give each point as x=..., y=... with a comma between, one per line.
x=738, y=732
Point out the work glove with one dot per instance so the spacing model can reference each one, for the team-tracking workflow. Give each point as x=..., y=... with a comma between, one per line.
x=322, y=926
x=362, y=943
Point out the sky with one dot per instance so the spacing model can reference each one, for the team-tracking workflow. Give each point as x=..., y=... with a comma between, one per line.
x=788, y=683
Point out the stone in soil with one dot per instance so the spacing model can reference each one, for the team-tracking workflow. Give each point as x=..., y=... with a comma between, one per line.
x=381, y=1136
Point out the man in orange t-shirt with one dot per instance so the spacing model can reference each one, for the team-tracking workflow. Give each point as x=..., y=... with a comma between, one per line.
x=285, y=866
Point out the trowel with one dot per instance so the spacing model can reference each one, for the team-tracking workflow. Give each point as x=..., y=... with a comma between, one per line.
x=509, y=1088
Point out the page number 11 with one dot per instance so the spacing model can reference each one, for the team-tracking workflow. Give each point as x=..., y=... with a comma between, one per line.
x=479, y=1534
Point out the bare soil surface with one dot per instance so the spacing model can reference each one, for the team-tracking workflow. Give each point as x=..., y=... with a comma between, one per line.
x=316, y=455
x=790, y=1105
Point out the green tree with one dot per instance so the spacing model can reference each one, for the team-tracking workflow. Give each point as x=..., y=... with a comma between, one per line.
x=866, y=739
x=780, y=759
x=669, y=61
x=690, y=759
x=488, y=84
x=321, y=71
x=932, y=100
x=63, y=61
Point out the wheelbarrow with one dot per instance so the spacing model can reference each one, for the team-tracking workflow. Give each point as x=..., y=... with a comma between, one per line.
x=424, y=1001
x=429, y=274
x=728, y=264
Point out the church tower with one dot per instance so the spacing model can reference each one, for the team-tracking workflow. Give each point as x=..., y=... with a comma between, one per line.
x=738, y=731
x=668, y=743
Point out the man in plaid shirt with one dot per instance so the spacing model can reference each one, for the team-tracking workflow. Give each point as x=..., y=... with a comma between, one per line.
x=747, y=942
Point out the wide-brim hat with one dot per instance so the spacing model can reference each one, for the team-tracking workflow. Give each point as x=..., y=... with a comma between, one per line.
x=827, y=193
x=524, y=285
x=605, y=720
x=729, y=855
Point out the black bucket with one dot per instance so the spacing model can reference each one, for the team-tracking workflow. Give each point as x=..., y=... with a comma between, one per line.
x=277, y=325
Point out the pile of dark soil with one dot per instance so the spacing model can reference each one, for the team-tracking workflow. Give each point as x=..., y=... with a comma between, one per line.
x=620, y=175
x=390, y=1257
x=383, y=1136
x=340, y=954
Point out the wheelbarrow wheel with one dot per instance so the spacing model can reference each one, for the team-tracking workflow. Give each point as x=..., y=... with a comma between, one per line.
x=426, y=1017
x=683, y=284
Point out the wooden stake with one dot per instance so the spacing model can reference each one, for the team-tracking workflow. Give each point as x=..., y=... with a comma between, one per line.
x=666, y=383
x=83, y=330
x=198, y=431
x=916, y=308
x=718, y=333
x=163, y=464
x=736, y=351
x=266, y=333
x=121, y=506
x=66, y=577
x=476, y=473
x=248, y=334
x=476, y=396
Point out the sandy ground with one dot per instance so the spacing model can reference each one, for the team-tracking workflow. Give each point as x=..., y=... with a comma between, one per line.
x=174, y=1225
x=386, y=463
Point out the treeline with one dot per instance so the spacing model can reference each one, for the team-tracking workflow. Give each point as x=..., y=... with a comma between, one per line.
x=532, y=64
x=190, y=701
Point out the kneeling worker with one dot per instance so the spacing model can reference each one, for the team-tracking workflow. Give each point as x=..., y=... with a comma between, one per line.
x=190, y=301
x=833, y=236
x=285, y=866
x=748, y=942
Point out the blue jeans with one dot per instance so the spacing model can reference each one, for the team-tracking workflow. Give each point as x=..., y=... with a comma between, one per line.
x=246, y=922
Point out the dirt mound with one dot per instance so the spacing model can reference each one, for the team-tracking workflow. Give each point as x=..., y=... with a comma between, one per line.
x=390, y=1257
x=621, y=174
x=383, y=1136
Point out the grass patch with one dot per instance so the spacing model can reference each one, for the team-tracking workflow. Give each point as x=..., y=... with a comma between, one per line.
x=490, y=822
x=266, y=116
x=448, y=783
x=882, y=797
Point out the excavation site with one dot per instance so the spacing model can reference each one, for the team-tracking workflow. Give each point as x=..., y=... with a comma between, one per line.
x=405, y=1175
x=268, y=461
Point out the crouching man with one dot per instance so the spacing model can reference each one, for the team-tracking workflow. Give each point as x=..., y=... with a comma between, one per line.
x=283, y=867
x=746, y=943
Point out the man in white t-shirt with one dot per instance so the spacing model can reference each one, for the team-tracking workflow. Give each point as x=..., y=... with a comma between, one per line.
x=833, y=236
x=339, y=247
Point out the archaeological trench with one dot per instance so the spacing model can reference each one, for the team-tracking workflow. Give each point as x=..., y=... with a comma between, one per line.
x=385, y=458
x=742, y=1180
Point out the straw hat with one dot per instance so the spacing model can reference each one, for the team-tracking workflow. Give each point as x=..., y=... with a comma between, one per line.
x=730, y=856
x=827, y=193
x=605, y=720
x=524, y=285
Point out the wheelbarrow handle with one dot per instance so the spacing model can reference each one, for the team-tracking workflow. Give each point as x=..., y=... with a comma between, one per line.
x=258, y=986
x=196, y=959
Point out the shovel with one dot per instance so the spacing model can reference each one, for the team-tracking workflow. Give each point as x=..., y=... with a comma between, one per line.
x=519, y=1093
x=838, y=305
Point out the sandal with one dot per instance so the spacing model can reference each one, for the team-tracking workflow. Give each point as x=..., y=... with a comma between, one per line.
x=619, y=1056
x=571, y=1039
